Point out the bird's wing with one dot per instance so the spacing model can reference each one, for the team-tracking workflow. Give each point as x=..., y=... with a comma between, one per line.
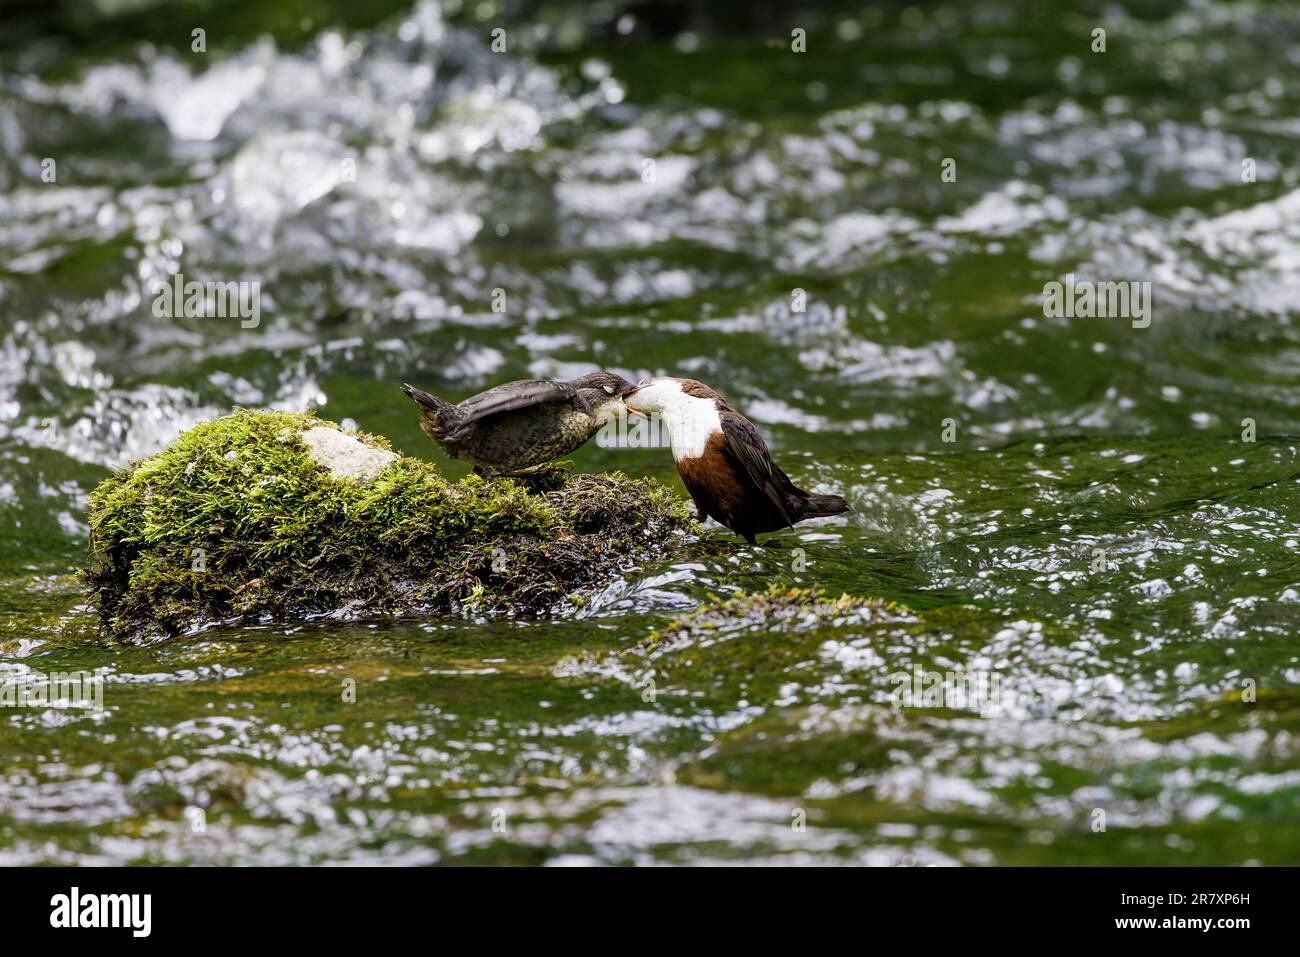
x=512, y=396
x=746, y=444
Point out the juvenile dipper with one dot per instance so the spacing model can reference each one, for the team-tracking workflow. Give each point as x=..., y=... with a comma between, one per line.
x=724, y=462
x=521, y=424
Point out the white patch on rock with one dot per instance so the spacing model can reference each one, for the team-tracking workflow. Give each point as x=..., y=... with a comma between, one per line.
x=345, y=456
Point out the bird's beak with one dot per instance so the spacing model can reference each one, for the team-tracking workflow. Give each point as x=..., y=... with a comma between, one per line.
x=627, y=394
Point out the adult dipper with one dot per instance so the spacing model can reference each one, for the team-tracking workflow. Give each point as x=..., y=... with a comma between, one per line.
x=724, y=462
x=521, y=424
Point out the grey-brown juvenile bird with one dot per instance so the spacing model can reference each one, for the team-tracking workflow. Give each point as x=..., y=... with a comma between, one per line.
x=724, y=462
x=521, y=424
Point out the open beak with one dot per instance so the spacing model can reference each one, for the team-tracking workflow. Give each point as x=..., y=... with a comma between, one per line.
x=626, y=394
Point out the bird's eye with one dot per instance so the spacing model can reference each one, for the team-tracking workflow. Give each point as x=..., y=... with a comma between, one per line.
x=609, y=389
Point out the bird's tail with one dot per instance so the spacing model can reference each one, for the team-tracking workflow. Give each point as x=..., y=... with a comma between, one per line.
x=819, y=506
x=432, y=407
x=426, y=400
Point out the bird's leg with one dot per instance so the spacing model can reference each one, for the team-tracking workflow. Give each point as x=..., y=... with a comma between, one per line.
x=540, y=479
x=537, y=471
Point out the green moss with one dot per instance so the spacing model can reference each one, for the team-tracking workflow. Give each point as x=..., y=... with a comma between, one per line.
x=778, y=608
x=236, y=520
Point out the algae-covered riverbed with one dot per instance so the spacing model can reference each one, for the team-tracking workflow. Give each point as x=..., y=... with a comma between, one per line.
x=1098, y=518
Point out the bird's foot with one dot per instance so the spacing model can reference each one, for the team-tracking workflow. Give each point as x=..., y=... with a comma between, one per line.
x=519, y=473
x=543, y=478
x=537, y=471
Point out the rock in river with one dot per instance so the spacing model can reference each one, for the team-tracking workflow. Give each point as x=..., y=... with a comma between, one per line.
x=276, y=515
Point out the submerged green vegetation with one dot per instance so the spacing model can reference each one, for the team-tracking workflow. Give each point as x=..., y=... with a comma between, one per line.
x=778, y=609
x=237, y=519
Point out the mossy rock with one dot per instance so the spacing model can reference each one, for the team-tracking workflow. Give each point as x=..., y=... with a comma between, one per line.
x=239, y=519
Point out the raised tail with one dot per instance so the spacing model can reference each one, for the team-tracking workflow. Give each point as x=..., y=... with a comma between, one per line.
x=427, y=401
x=433, y=411
x=819, y=506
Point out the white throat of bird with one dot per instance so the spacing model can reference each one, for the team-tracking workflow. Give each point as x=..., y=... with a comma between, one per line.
x=690, y=419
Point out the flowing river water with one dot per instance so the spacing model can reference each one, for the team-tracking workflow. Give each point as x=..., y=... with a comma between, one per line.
x=1101, y=514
